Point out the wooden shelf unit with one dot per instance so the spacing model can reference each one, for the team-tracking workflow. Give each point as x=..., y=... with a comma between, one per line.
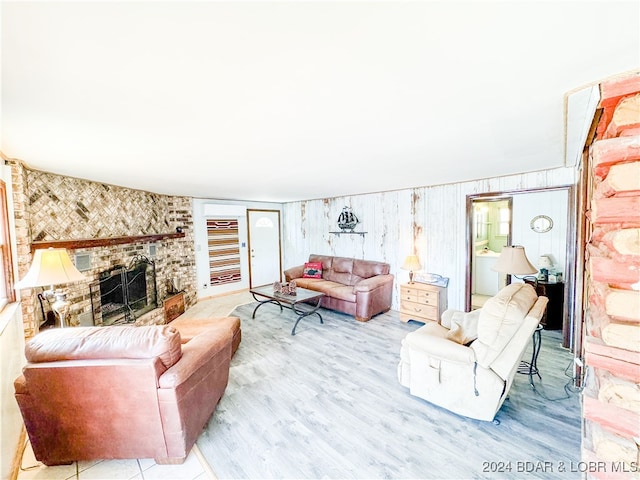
x=362, y=234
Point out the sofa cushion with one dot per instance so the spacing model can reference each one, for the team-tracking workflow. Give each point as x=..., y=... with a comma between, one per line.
x=312, y=270
x=500, y=318
x=329, y=288
x=341, y=292
x=326, y=260
x=308, y=283
x=464, y=328
x=340, y=271
x=366, y=269
x=85, y=343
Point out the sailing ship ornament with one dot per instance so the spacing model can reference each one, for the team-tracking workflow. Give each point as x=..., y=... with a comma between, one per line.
x=347, y=220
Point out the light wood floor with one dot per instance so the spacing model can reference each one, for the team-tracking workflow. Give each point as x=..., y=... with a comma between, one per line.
x=326, y=403
x=309, y=406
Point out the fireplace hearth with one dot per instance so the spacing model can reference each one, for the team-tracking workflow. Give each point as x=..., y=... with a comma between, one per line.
x=124, y=293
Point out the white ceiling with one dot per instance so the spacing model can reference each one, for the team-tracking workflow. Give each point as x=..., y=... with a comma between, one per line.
x=291, y=100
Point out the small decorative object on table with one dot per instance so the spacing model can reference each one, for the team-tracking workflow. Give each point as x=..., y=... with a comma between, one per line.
x=347, y=220
x=431, y=279
x=285, y=288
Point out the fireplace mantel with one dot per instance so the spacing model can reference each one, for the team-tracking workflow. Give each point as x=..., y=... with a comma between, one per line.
x=103, y=242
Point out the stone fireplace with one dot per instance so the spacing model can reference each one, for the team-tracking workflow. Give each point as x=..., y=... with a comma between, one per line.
x=123, y=294
x=111, y=228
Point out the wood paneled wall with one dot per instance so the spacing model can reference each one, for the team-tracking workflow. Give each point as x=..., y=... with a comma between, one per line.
x=427, y=221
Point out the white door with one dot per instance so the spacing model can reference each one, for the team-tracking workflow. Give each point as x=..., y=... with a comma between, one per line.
x=264, y=247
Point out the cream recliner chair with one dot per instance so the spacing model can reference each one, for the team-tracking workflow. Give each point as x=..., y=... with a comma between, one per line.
x=467, y=363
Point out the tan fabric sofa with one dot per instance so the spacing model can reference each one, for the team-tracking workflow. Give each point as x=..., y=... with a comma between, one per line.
x=467, y=364
x=123, y=391
x=361, y=288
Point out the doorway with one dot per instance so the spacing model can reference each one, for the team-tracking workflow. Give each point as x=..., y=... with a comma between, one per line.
x=491, y=230
x=557, y=243
x=265, y=261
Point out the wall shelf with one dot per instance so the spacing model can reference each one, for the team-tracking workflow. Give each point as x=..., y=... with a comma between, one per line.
x=362, y=234
x=103, y=242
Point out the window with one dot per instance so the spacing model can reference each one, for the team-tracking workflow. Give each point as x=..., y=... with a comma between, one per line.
x=7, y=294
x=505, y=220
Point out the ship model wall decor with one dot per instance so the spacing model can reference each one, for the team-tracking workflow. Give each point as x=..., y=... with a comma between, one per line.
x=347, y=220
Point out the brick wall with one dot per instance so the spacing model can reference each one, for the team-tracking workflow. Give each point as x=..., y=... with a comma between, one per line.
x=611, y=400
x=53, y=207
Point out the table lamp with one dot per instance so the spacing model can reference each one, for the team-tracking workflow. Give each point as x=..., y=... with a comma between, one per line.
x=546, y=264
x=513, y=261
x=411, y=263
x=52, y=266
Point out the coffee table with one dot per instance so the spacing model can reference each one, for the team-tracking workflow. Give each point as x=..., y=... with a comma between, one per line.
x=292, y=302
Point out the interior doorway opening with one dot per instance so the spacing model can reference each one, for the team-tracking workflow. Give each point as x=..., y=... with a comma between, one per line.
x=557, y=243
x=491, y=230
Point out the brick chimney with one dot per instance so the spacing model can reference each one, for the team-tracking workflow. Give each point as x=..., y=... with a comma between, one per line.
x=611, y=400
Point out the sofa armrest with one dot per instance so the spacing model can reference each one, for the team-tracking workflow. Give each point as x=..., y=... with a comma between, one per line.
x=205, y=350
x=191, y=389
x=371, y=283
x=293, y=273
x=441, y=348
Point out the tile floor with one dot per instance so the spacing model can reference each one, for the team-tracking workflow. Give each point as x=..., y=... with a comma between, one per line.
x=194, y=467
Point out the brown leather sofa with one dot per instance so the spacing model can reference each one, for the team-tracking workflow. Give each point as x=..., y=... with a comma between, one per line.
x=362, y=288
x=122, y=391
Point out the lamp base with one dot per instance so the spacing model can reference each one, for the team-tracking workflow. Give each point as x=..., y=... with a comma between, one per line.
x=61, y=307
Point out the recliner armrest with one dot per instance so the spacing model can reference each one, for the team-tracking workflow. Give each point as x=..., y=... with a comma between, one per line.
x=440, y=347
x=449, y=315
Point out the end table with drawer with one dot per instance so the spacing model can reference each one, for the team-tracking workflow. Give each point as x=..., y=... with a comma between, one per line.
x=422, y=302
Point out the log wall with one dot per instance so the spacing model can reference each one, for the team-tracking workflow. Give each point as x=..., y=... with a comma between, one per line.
x=611, y=400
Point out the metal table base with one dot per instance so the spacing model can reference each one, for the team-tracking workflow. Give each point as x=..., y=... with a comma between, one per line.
x=291, y=305
x=531, y=368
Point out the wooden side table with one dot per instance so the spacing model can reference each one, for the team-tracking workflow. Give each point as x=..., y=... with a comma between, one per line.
x=554, y=315
x=173, y=307
x=422, y=302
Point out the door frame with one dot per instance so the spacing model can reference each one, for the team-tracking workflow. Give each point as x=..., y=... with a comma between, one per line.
x=471, y=201
x=569, y=316
x=249, y=210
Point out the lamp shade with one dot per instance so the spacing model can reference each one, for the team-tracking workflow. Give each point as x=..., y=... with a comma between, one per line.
x=545, y=262
x=51, y=266
x=411, y=263
x=513, y=260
